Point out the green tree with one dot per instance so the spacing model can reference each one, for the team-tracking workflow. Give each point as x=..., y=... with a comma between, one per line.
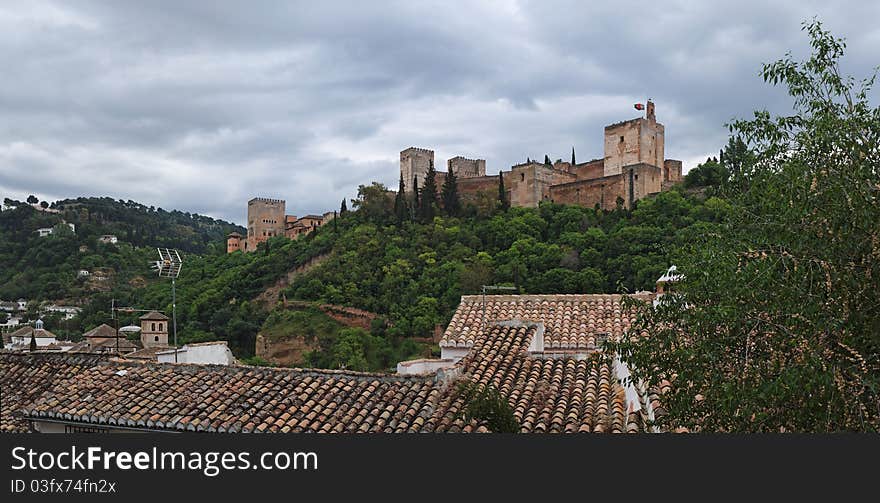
x=503, y=203
x=415, y=204
x=449, y=195
x=343, y=208
x=400, y=208
x=775, y=326
x=485, y=404
x=572, y=157
x=428, y=203
x=547, y=160
x=32, y=199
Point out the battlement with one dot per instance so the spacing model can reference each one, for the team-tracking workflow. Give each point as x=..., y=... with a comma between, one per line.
x=464, y=159
x=417, y=150
x=265, y=200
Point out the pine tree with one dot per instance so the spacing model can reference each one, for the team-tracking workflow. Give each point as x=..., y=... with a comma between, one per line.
x=449, y=194
x=400, y=209
x=572, y=157
x=503, y=203
x=343, y=209
x=429, y=194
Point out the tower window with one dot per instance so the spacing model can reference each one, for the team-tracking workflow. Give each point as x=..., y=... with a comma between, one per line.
x=621, y=139
x=160, y=327
x=522, y=177
x=156, y=339
x=152, y=327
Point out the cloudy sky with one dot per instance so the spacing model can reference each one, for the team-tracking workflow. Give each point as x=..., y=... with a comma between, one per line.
x=200, y=106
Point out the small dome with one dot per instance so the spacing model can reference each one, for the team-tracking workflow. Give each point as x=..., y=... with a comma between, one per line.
x=39, y=324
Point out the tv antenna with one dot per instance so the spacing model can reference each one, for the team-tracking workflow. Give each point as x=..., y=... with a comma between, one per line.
x=168, y=266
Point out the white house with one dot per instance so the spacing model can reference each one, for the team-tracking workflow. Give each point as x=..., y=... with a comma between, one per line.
x=215, y=353
x=21, y=338
x=44, y=231
x=108, y=238
x=69, y=312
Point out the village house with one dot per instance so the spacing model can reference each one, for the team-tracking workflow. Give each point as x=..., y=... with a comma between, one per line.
x=104, y=339
x=20, y=340
x=108, y=239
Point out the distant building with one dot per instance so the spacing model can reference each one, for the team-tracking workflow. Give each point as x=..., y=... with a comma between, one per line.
x=20, y=340
x=633, y=167
x=69, y=312
x=267, y=219
x=108, y=239
x=233, y=242
x=214, y=353
x=82, y=273
x=45, y=231
x=104, y=339
x=154, y=329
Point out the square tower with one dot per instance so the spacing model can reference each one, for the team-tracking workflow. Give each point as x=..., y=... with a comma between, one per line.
x=414, y=162
x=466, y=168
x=636, y=141
x=154, y=329
x=265, y=220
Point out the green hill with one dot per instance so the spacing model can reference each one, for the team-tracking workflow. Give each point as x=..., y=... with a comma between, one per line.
x=48, y=267
x=413, y=274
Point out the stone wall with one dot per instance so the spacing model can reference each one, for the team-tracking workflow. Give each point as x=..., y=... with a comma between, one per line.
x=588, y=193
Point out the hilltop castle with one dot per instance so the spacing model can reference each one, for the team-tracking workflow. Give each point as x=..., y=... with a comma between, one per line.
x=268, y=218
x=633, y=167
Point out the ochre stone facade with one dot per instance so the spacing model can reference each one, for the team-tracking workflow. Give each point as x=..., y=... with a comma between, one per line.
x=266, y=219
x=634, y=166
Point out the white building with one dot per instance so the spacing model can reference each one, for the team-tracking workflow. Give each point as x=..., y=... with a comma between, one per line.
x=44, y=231
x=108, y=238
x=20, y=340
x=215, y=353
x=69, y=312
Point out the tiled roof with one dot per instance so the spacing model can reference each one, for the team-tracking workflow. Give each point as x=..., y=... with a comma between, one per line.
x=154, y=315
x=24, y=376
x=571, y=321
x=26, y=331
x=102, y=330
x=148, y=354
x=564, y=394
x=548, y=395
x=240, y=399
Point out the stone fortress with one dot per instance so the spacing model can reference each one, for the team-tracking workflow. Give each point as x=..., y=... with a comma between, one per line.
x=268, y=218
x=633, y=167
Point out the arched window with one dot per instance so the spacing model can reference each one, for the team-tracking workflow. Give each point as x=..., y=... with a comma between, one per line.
x=152, y=327
x=160, y=327
x=156, y=339
x=522, y=177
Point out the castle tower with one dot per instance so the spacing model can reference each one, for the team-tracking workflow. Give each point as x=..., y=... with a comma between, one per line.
x=154, y=329
x=414, y=162
x=466, y=168
x=632, y=142
x=265, y=220
x=233, y=242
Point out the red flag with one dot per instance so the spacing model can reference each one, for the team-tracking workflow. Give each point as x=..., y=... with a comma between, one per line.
x=639, y=106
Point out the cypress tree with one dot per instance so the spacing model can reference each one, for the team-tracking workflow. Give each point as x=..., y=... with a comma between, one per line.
x=429, y=195
x=415, y=204
x=503, y=203
x=449, y=194
x=400, y=209
x=572, y=157
x=343, y=209
x=547, y=160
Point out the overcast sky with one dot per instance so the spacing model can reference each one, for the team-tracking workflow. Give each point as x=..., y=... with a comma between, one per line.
x=200, y=106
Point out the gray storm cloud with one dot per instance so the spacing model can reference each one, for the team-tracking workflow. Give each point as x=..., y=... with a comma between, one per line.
x=201, y=105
